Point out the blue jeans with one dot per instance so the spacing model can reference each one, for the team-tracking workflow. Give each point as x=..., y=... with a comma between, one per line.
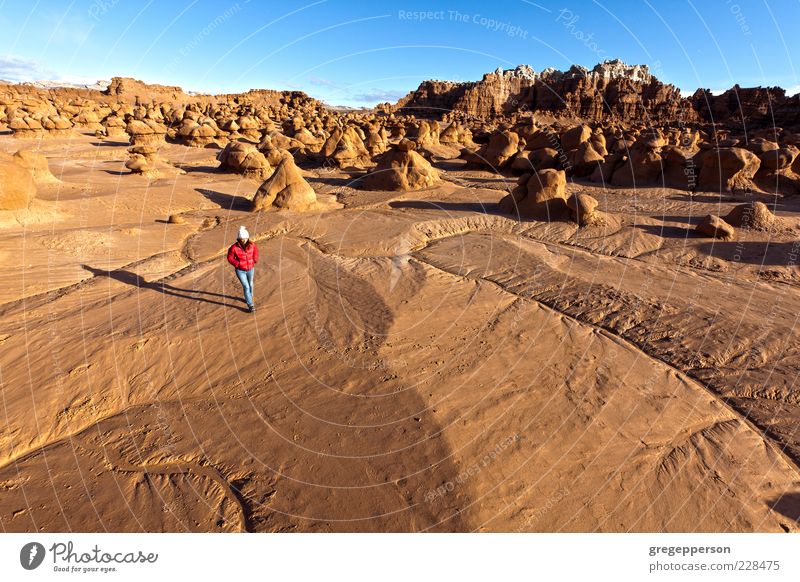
x=246, y=279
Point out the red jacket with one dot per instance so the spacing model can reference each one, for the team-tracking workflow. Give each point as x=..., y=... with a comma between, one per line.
x=243, y=258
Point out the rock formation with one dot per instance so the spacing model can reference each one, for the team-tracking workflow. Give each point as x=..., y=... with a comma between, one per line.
x=285, y=189
x=727, y=169
x=401, y=169
x=583, y=209
x=752, y=216
x=502, y=148
x=245, y=159
x=715, y=227
x=37, y=165
x=17, y=186
x=610, y=90
x=541, y=195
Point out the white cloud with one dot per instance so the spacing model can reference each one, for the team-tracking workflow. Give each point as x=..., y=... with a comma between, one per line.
x=793, y=90
x=322, y=82
x=19, y=69
x=375, y=96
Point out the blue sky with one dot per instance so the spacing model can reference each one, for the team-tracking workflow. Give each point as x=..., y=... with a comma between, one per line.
x=360, y=53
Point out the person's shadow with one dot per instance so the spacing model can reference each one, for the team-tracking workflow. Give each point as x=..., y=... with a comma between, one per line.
x=135, y=280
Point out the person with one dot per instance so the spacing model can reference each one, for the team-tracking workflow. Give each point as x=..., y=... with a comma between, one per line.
x=243, y=255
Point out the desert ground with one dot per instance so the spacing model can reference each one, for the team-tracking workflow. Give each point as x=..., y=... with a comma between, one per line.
x=418, y=361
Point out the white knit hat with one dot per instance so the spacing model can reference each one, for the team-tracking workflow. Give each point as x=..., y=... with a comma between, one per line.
x=243, y=232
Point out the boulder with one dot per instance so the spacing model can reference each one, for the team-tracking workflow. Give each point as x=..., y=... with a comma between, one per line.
x=582, y=208
x=140, y=164
x=727, y=169
x=575, y=136
x=583, y=160
x=540, y=195
x=401, y=169
x=245, y=159
x=643, y=167
x=145, y=132
x=501, y=149
x=715, y=227
x=680, y=169
x=26, y=127
x=285, y=189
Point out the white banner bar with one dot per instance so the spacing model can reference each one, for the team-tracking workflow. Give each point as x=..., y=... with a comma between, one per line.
x=400, y=557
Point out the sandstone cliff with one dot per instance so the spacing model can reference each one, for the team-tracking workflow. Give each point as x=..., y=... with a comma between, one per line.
x=611, y=91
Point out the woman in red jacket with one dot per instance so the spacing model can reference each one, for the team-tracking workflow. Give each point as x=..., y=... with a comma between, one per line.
x=243, y=255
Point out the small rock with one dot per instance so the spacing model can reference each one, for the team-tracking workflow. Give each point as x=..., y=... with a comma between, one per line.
x=715, y=227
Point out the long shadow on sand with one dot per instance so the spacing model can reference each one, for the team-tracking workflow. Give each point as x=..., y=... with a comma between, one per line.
x=788, y=505
x=110, y=144
x=202, y=169
x=774, y=254
x=226, y=201
x=135, y=280
x=667, y=231
x=349, y=181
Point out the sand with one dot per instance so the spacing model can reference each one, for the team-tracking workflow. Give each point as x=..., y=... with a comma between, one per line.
x=417, y=361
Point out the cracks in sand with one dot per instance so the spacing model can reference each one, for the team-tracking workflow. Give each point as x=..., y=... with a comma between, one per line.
x=182, y=467
x=692, y=446
x=170, y=467
x=763, y=433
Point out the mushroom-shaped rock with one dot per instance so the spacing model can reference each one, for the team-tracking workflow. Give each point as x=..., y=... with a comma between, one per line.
x=644, y=164
x=584, y=159
x=140, y=164
x=424, y=133
x=538, y=195
x=17, y=186
x=582, y=208
x=88, y=119
x=198, y=135
x=271, y=151
x=114, y=126
x=715, y=227
x=501, y=149
x=249, y=127
x=455, y=134
x=575, y=136
x=310, y=142
x=26, y=127
x=145, y=132
x=680, y=170
x=244, y=159
x=539, y=159
x=605, y=170
x=286, y=189
x=377, y=141
x=779, y=158
x=727, y=169
x=350, y=151
x=56, y=125
x=400, y=169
